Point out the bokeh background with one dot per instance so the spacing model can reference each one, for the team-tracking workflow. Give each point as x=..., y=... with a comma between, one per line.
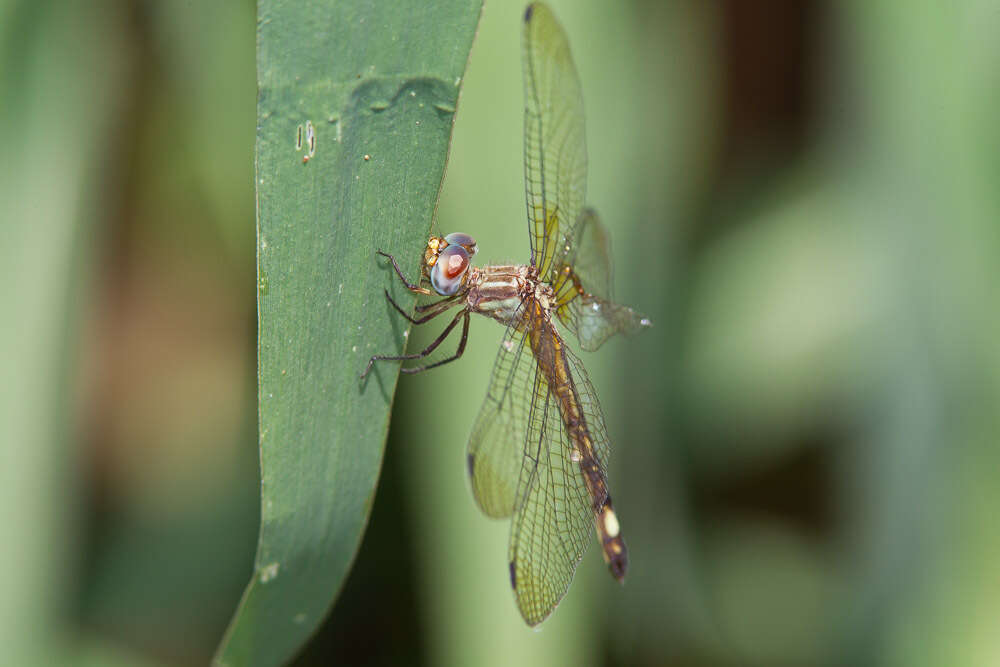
x=803, y=197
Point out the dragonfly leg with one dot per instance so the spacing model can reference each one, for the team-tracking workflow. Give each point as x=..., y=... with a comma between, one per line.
x=427, y=350
x=410, y=286
x=440, y=307
x=428, y=306
x=458, y=353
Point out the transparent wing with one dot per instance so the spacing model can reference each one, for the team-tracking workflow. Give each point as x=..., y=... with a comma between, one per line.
x=494, y=451
x=588, y=254
x=555, y=148
x=554, y=514
x=582, y=280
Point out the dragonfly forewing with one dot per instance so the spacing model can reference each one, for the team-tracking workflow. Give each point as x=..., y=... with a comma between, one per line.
x=581, y=278
x=555, y=145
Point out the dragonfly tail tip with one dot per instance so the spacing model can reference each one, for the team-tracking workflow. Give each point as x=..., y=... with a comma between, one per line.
x=618, y=566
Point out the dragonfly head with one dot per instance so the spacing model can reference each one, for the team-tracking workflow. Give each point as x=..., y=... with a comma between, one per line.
x=447, y=261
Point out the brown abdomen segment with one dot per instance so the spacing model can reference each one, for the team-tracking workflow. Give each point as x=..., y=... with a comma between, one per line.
x=548, y=350
x=609, y=532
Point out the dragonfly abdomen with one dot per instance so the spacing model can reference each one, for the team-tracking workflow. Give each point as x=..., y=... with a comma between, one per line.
x=612, y=544
x=605, y=519
x=547, y=347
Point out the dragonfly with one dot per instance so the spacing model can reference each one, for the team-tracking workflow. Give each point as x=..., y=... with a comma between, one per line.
x=539, y=447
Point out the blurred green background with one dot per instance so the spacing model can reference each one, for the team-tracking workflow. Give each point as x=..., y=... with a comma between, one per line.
x=804, y=198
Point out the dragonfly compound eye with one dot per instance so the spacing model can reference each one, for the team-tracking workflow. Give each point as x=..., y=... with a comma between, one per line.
x=464, y=240
x=448, y=272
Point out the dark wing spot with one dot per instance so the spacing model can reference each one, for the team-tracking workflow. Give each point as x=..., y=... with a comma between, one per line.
x=471, y=461
x=528, y=12
x=513, y=576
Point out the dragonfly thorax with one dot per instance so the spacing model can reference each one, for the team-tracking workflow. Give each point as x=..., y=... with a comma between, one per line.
x=544, y=295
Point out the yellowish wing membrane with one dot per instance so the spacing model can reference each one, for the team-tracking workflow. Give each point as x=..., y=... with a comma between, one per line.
x=495, y=448
x=555, y=148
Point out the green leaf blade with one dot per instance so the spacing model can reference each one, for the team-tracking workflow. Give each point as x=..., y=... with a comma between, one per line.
x=355, y=110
